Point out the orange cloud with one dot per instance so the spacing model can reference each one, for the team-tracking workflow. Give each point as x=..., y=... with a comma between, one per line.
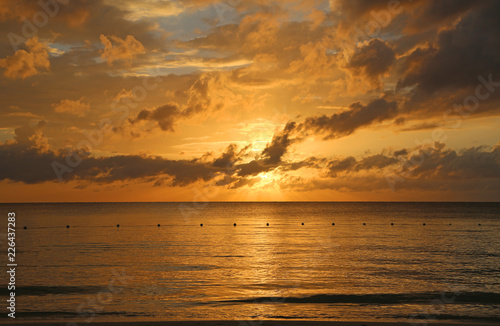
x=16, y=10
x=122, y=50
x=78, y=107
x=24, y=63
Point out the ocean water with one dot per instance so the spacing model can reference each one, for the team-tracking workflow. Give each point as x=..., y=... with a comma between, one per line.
x=447, y=269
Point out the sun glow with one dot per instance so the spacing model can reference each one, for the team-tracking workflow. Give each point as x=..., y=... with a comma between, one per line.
x=268, y=180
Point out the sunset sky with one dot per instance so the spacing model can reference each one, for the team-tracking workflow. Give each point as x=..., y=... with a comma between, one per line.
x=235, y=100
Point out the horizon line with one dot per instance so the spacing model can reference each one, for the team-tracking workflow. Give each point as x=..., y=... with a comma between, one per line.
x=235, y=202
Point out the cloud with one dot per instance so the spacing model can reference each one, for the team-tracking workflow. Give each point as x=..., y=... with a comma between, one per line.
x=341, y=165
x=24, y=63
x=330, y=127
x=27, y=159
x=431, y=14
x=459, y=55
x=422, y=126
x=470, y=163
x=254, y=167
x=378, y=161
x=345, y=123
x=437, y=168
x=22, y=8
x=265, y=56
x=78, y=107
x=229, y=157
x=124, y=49
x=207, y=94
x=165, y=116
x=279, y=145
x=350, y=164
x=31, y=138
x=147, y=9
x=373, y=59
x=272, y=155
x=72, y=13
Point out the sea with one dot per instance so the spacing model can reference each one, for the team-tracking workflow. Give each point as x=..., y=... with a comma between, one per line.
x=254, y=261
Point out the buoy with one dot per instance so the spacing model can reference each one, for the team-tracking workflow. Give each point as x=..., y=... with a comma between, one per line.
x=479, y=224
x=234, y=224
x=333, y=223
x=159, y=225
x=25, y=227
x=392, y=223
x=302, y=223
x=267, y=224
x=450, y=224
x=364, y=223
x=67, y=226
x=201, y=224
x=423, y=224
x=117, y=225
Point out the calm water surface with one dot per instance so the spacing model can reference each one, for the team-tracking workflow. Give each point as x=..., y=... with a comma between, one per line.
x=182, y=271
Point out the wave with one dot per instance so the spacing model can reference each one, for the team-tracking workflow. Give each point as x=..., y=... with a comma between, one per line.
x=45, y=290
x=72, y=314
x=381, y=298
x=230, y=256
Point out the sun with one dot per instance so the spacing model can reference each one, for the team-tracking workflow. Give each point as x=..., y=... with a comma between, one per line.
x=265, y=176
x=267, y=180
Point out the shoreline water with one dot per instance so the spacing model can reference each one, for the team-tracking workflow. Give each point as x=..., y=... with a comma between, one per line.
x=255, y=323
x=318, y=264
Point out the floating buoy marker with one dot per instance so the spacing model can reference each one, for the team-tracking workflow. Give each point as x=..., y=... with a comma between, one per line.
x=25, y=227
x=117, y=225
x=159, y=225
x=201, y=224
x=267, y=224
x=234, y=224
x=67, y=226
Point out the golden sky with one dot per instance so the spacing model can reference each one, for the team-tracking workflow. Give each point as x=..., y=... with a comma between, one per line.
x=208, y=100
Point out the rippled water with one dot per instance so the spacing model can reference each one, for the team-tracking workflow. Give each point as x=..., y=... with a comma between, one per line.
x=180, y=270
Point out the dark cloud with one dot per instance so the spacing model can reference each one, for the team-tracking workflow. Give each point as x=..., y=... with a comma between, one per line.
x=272, y=155
x=244, y=182
x=350, y=164
x=378, y=161
x=25, y=161
x=422, y=126
x=460, y=54
x=199, y=101
x=31, y=166
x=373, y=59
x=275, y=150
x=228, y=158
x=311, y=162
x=403, y=151
x=345, y=123
x=471, y=171
x=254, y=167
x=165, y=116
x=357, y=9
x=471, y=163
x=430, y=13
x=341, y=165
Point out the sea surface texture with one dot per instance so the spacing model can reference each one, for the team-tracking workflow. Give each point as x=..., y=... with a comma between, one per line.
x=436, y=261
